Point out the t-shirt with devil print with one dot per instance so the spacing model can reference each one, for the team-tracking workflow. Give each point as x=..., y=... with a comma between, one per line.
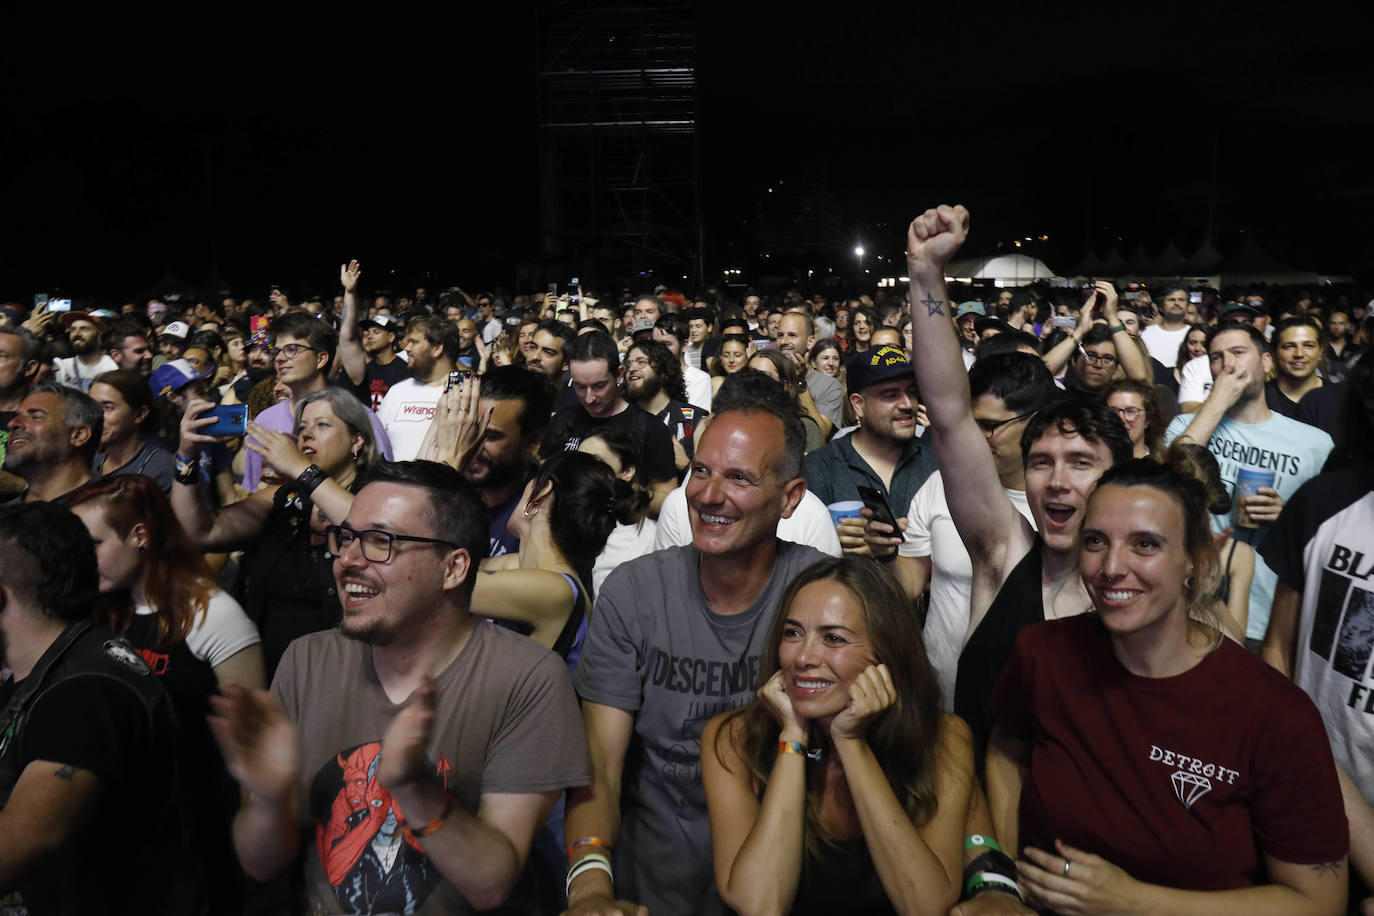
x=506, y=721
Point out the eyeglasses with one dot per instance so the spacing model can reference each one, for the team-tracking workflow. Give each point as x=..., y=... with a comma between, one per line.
x=637, y=362
x=290, y=351
x=376, y=545
x=1127, y=413
x=1098, y=359
x=989, y=427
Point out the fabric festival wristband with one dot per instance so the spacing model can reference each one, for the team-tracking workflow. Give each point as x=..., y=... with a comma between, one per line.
x=588, y=841
x=1118, y=328
x=434, y=825
x=978, y=839
x=591, y=862
x=796, y=747
x=989, y=882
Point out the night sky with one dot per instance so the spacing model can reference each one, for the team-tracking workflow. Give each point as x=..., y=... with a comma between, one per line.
x=269, y=147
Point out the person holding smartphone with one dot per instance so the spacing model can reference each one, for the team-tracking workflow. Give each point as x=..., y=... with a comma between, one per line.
x=885, y=452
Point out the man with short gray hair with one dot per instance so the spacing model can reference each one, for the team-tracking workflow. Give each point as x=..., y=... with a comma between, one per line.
x=52, y=440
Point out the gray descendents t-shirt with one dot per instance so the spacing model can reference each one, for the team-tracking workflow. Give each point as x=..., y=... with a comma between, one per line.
x=656, y=649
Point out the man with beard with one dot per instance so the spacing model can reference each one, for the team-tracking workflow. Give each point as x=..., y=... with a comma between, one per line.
x=53, y=438
x=416, y=749
x=884, y=452
x=653, y=382
x=431, y=343
x=373, y=366
x=172, y=342
x=670, y=329
x=596, y=375
x=1164, y=339
x=547, y=354
x=126, y=342
x=795, y=338
x=516, y=405
x=468, y=356
x=20, y=354
x=79, y=370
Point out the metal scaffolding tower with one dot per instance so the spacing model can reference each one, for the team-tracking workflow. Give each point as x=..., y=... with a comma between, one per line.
x=617, y=139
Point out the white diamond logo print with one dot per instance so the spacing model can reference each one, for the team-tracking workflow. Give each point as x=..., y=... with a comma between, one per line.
x=1189, y=787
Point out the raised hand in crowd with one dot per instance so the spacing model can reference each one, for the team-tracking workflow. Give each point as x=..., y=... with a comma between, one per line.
x=349, y=274
x=40, y=322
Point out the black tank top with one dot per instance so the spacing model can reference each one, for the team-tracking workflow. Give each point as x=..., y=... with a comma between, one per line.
x=1018, y=603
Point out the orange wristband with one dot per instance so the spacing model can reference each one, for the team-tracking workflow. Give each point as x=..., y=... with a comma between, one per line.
x=587, y=841
x=434, y=825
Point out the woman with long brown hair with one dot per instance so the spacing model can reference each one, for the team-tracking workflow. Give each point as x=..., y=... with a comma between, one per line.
x=841, y=788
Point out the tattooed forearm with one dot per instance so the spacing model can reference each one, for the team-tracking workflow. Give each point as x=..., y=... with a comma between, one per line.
x=1323, y=868
x=933, y=306
x=66, y=771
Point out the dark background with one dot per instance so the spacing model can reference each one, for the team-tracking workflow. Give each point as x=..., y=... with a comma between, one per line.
x=266, y=147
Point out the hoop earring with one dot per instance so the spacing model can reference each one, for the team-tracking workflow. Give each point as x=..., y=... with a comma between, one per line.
x=530, y=510
x=1190, y=583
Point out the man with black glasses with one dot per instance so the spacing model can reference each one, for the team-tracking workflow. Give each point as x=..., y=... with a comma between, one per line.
x=417, y=748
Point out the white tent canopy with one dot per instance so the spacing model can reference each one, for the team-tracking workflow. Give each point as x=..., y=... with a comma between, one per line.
x=1002, y=269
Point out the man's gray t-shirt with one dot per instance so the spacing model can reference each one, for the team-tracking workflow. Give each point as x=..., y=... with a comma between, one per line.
x=656, y=649
x=505, y=721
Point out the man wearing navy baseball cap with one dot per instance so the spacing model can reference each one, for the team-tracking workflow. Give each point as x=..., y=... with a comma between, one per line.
x=885, y=452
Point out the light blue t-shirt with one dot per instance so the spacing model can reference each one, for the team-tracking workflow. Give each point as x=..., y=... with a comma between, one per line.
x=1294, y=451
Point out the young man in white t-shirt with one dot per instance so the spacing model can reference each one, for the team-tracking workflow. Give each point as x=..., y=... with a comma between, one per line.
x=431, y=346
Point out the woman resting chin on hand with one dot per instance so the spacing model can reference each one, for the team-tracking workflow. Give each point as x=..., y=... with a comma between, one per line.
x=800, y=783
x=1148, y=764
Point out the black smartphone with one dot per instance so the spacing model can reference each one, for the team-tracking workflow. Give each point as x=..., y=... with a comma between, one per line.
x=877, y=504
x=230, y=420
x=457, y=377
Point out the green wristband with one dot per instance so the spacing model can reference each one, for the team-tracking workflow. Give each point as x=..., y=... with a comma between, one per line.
x=1119, y=327
x=978, y=839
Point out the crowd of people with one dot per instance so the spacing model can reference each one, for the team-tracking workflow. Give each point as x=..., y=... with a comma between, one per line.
x=939, y=601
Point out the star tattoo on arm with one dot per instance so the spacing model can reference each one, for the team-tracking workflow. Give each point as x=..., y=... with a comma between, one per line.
x=933, y=306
